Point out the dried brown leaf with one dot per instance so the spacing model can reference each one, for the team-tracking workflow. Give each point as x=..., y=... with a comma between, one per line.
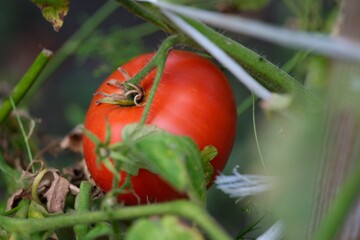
x=15, y=198
x=56, y=194
x=73, y=140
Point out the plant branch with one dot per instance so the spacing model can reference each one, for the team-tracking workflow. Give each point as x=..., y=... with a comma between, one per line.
x=82, y=204
x=158, y=60
x=268, y=74
x=25, y=83
x=182, y=208
x=147, y=14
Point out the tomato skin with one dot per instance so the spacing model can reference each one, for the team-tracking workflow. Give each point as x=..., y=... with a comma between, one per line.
x=194, y=99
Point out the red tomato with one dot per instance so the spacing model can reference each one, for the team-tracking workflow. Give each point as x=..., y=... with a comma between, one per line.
x=194, y=99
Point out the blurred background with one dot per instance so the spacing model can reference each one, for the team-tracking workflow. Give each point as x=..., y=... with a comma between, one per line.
x=60, y=102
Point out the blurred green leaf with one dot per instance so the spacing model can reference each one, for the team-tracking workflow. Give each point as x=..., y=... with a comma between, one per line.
x=54, y=11
x=167, y=227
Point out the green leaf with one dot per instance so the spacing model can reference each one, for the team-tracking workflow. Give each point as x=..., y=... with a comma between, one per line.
x=133, y=132
x=54, y=11
x=208, y=154
x=167, y=227
x=175, y=158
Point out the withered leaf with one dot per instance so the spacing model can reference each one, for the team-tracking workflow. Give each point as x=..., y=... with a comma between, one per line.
x=15, y=198
x=57, y=192
x=53, y=11
x=73, y=140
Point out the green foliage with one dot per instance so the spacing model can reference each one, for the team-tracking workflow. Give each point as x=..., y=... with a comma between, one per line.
x=176, y=159
x=54, y=11
x=163, y=228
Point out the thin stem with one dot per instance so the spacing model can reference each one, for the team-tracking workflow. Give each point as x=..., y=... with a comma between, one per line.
x=158, y=60
x=76, y=40
x=268, y=74
x=264, y=71
x=147, y=14
x=341, y=205
x=82, y=204
x=181, y=208
x=255, y=134
x=25, y=83
x=331, y=46
x=22, y=130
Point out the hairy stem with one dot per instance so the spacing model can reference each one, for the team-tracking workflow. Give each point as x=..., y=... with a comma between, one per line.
x=147, y=14
x=268, y=74
x=82, y=205
x=181, y=208
x=158, y=60
x=25, y=83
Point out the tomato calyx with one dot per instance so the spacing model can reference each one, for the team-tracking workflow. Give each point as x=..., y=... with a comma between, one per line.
x=130, y=95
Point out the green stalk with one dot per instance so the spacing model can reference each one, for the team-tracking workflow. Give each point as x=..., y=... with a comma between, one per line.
x=25, y=83
x=268, y=74
x=147, y=14
x=340, y=207
x=82, y=205
x=160, y=60
x=181, y=208
x=76, y=40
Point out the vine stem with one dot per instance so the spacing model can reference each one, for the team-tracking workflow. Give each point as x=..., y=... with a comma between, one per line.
x=82, y=205
x=25, y=83
x=147, y=14
x=271, y=76
x=323, y=44
x=158, y=60
x=181, y=208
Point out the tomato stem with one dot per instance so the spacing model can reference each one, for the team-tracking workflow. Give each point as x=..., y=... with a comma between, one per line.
x=186, y=209
x=159, y=61
x=82, y=204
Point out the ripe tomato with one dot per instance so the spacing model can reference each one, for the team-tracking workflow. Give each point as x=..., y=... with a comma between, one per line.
x=193, y=99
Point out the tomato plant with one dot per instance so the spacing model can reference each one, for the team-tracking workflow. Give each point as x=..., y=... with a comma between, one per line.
x=193, y=99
